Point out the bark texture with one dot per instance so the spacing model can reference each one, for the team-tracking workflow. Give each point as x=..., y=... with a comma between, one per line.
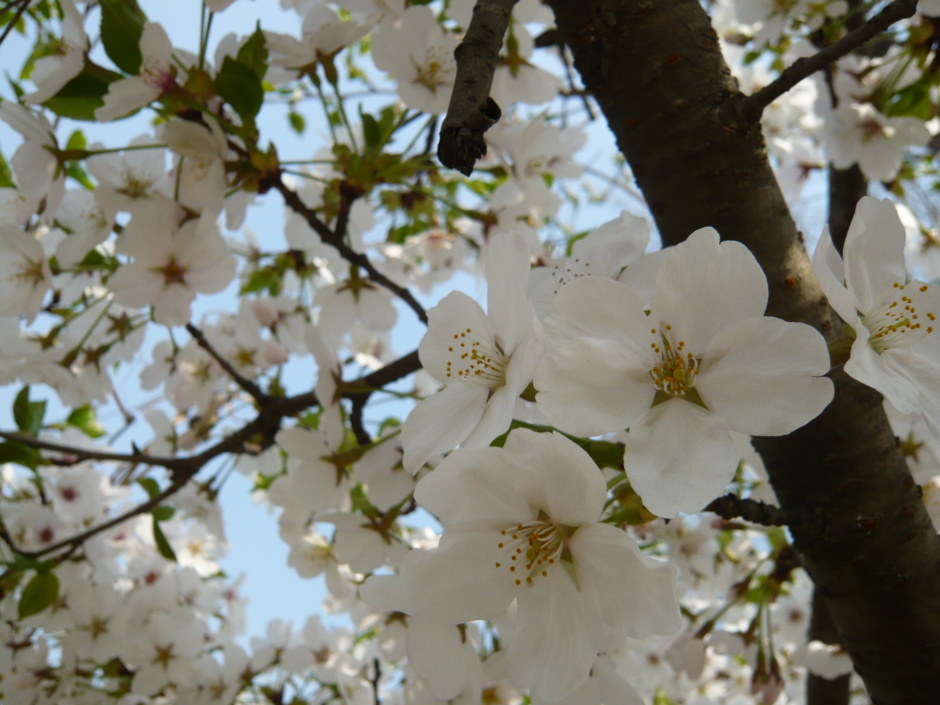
x=855, y=513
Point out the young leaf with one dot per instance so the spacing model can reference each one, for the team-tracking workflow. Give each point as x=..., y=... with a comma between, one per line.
x=79, y=98
x=39, y=593
x=28, y=414
x=253, y=54
x=241, y=88
x=150, y=486
x=163, y=546
x=83, y=418
x=19, y=454
x=122, y=24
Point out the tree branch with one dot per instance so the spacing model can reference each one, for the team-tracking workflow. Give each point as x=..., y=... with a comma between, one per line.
x=296, y=204
x=266, y=423
x=246, y=384
x=731, y=506
x=471, y=111
x=753, y=105
x=852, y=507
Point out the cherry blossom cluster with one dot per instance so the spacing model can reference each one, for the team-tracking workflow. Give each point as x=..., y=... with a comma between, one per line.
x=509, y=506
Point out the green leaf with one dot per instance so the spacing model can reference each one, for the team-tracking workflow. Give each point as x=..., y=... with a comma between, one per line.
x=264, y=279
x=913, y=100
x=39, y=593
x=241, y=88
x=79, y=98
x=371, y=131
x=150, y=486
x=296, y=121
x=77, y=140
x=253, y=54
x=19, y=454
x=163, y=546
x=83, y=418
x=28, y=414
x=6, y=176
x=122, y=24
x=163, y=513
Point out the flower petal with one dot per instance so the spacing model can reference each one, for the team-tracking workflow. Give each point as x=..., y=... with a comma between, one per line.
x=679, y=457
x=635, y=595
x=874, y=251
x=440, y=422
x=596, y=307
x=593, y=386
x=830, y=273
x=450, y=323
x=759, y=376
x=507, y=279
x=705, y=284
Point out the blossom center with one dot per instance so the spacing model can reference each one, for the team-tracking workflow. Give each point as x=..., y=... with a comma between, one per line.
x=435, y=70
x=897, y=323
x=677, y=368
x=533, y=548
x=476, y=360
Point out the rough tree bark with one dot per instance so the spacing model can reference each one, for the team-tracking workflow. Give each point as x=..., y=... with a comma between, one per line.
x=856, y=515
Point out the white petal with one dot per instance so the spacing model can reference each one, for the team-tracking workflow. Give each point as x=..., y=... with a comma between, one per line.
x=555, y=475
x=459, y=581
x=874, y=251
x=471, y=485
x=593, y=386
x=830, y=273
x=635, y=595
x=596, y=307
x=444, y=659
x=495, y=419
x=449, y=323
x=703, y=285
x=507, y=278
x=441, y=422
x=759, y=376
x=679, y=457
x=556, y=637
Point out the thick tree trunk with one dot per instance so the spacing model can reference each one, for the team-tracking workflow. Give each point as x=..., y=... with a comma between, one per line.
x=855, y=513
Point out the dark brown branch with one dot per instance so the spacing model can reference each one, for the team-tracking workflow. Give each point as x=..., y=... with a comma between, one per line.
x=753, y=105
x=819, y=690
x=246, y=384
x=296, y=204
x=471, y=111
x=852, y=507
x=731, y=506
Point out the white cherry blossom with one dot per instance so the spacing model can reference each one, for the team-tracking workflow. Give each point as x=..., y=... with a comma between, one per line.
x=484, y=360
x=896, y=347
x=521, y=523
x=171, y=266
x=157, y=76
x=702, y=363
x=419, y=54
x=52, y=72
x=858, y=133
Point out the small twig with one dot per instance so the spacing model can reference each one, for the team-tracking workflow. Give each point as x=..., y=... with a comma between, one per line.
x=78, y=539
x=16, y=18
x=753, y=105
x=471, y=111
x=246, y=384
x=183, y=469
x=376, y=676
x=296, y=204
x=355, y=419
x=730, y=506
